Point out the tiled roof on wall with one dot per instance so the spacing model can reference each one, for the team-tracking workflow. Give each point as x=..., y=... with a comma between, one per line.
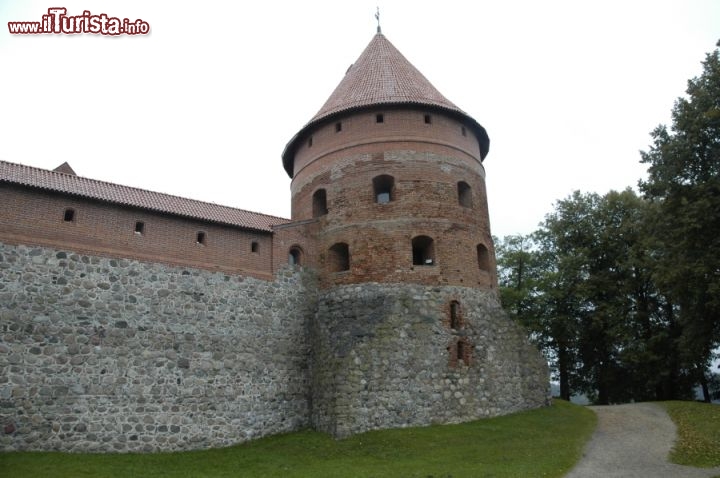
x=127, y=196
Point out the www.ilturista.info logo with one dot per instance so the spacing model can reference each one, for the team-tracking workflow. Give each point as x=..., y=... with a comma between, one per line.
x=57, y=21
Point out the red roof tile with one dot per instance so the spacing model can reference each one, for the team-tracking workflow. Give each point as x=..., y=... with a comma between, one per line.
x=382, y=76
x=133, y=197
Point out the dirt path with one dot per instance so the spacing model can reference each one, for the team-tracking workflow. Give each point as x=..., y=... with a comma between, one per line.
x=633, y=441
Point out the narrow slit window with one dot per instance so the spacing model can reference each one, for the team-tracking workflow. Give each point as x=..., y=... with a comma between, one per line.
x=379, y=118
x=428, y=119
x=460, y=352
x=463, y=131
x=200, y=238
x=139, y=228
x=423, y=251
x=69, y=215
x=338, y=127
x=309, y=143
x=319, y=203
x=455, y=317
x=339, y=257
x=383, y=187
x=254, y=246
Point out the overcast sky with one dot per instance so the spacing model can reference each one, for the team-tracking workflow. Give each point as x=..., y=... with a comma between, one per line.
x=203, y=106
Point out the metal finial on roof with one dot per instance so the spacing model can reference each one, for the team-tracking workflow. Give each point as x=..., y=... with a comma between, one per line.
x=377, y=17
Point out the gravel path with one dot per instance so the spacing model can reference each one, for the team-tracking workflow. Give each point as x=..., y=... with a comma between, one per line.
x=633, y=441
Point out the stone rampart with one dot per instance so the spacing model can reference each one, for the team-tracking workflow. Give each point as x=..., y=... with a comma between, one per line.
x=392, y=355
x=113, y=355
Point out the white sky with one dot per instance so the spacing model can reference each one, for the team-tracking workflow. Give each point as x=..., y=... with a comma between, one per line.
x=203, y=106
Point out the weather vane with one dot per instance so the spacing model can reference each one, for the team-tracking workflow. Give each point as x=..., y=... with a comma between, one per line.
x=377, y=17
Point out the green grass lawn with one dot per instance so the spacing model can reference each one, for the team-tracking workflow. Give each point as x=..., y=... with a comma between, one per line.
x=698, y=442
x=538, y=443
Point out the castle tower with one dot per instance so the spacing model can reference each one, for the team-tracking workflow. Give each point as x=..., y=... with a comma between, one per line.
x=388, y=182
x=393, y=172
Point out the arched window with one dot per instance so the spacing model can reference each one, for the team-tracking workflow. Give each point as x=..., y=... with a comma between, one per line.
x=319, y=203
x=339, y=257
x=464, y=194
x=383, y=187
x=423, y=251
x=483, y=257
x=295, y=256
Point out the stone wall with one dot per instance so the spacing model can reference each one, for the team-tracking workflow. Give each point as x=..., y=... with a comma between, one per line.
x=115, y=355
x=387, y=356
x=101, y=354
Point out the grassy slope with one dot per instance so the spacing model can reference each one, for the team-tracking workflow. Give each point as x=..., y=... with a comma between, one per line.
x=698, y=442
x=545, y=442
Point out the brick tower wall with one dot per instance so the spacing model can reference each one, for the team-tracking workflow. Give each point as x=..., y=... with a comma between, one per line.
x=426, y=162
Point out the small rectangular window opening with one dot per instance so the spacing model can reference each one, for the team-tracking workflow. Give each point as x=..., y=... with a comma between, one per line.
x=69, y=215
x=427, y=119
x=254, y=246
x=200, y=239
x=383, y=188
x=139, y=227
x=464, y=133
x=338, y=127
x=379, y=118
x=423, y=251
x=310, y=141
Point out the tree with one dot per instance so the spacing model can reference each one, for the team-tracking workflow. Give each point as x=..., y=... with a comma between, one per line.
x=528, y=285
x=583, y=285
x=684, y=183
x=517, y=274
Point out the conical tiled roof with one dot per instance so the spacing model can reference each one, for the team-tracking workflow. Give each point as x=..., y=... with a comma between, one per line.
x=381, y=76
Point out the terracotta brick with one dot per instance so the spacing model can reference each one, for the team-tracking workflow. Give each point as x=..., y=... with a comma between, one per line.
x=426, y=162
x=35, y=216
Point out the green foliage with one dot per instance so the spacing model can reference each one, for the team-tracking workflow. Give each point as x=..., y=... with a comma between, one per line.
x=622, y=292
x=545, y=442
x=698, y=425
x=684, y=183
x=589, y=298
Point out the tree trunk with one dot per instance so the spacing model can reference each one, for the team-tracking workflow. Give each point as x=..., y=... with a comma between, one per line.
x=602, y=385
x=705, y=388
x=564, y=374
